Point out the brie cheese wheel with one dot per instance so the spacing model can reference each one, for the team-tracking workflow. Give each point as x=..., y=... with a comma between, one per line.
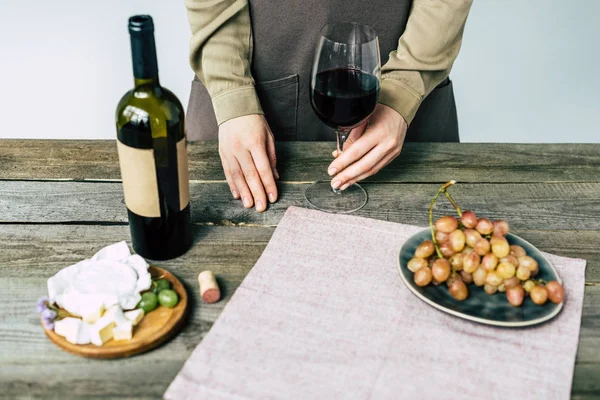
x=111, y=277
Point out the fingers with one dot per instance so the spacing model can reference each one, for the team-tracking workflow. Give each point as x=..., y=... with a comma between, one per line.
x=272, y=155
x=239, y=180
x=230, y=182
x=361, y=147
x=253, y=179
x=355, y=135
x=360, y=167
x=265, y=172
x=388, y=159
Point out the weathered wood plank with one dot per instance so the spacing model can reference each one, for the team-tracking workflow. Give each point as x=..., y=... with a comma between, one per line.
x=33, y=367
x=561, y=206
x=307, y=161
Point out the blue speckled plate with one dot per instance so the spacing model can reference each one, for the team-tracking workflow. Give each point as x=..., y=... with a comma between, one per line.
x=479, y=306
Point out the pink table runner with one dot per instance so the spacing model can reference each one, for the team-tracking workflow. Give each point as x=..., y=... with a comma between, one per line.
x=324, y=314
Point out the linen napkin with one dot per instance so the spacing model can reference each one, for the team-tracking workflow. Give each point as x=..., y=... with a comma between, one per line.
x=324, y=314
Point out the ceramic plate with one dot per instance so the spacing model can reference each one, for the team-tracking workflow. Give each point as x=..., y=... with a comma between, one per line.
x=479, y=306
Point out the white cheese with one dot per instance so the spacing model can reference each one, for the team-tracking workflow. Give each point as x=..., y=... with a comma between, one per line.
x=111, y=277
x=92, y=311
x=63, y=326
x=73, y=329
x=115, y=313
x=102, y=331
x=115, y=252
x=135, y=316
x=123, y=331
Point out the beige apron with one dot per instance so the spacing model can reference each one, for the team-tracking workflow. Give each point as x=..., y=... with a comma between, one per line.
x=285, y=33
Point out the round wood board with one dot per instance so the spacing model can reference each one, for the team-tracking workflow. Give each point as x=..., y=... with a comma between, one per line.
x=153, y=330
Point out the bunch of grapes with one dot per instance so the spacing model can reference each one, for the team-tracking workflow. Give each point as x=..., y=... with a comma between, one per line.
x=474, y=250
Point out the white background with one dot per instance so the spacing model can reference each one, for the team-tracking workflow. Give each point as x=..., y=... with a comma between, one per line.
x=529, y=70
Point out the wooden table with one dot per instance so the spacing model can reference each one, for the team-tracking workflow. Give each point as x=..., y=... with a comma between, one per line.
x=60, y=201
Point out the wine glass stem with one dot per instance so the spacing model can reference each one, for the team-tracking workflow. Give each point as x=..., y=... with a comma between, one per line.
x=342, y=135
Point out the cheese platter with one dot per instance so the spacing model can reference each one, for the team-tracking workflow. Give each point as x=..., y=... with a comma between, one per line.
x=113, y=305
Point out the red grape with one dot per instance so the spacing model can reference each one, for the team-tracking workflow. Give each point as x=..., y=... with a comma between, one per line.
x=458, y=289
x=511, y=260
x=515, y=295
x=479, y=276
x=456, y=261
x=471, y=262
x=493, y=278
x=511, y=282
x=446, y=224
x=446, y=249
x=457, y=240
x=469, y=219
x=500, y=228
x=484, y=226
x=466, y=277
x=482, y=247
x=441, y=237
x=539, y=295
x=517, y=250
x=528, y=262
x=423, y=276
x=425, y=249
x=489, y=262
x=416, y=263
x=441, y=270
x=556, y=292
x=471, y=237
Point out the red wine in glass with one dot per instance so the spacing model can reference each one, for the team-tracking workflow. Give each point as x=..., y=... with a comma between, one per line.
x=344, y=97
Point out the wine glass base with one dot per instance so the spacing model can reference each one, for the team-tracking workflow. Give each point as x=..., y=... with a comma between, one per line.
x=321, y=196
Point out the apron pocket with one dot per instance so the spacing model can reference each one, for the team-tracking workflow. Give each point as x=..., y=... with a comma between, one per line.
x=279, y=100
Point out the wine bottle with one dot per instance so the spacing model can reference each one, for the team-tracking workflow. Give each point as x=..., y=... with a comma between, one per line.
x=152, y=154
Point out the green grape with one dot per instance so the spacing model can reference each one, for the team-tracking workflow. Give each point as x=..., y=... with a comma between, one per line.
x=149, y=302
x=168, y=298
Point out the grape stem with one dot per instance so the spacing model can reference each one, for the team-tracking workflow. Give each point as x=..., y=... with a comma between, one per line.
x=451, y=200
x=440, y=191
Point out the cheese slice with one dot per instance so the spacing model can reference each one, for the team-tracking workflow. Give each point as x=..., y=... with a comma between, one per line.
x=65, y=326
x=123, y=331
x=135, y=316
x=74, y=330
x=102, y=330
x=92, y=312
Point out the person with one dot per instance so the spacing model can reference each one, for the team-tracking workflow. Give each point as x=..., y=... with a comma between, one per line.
x=253, y=58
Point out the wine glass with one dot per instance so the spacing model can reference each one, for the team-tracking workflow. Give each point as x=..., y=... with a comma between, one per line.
x=344, y=85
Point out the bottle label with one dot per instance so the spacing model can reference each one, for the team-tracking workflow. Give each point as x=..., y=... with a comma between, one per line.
x=140, y=182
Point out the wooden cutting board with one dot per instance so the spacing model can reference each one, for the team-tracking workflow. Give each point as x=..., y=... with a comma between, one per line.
x=156, y=327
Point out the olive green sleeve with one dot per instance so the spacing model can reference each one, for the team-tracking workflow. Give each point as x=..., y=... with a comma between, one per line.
x=425, y=54
x=221, y=55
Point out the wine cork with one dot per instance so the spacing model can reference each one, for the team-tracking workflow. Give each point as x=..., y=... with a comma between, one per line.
x=209, y=289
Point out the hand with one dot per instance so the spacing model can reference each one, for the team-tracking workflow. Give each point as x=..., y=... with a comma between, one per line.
x=247, y=150
x=370, y=147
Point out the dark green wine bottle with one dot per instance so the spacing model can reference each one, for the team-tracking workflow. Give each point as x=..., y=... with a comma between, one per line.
x=152, y=154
